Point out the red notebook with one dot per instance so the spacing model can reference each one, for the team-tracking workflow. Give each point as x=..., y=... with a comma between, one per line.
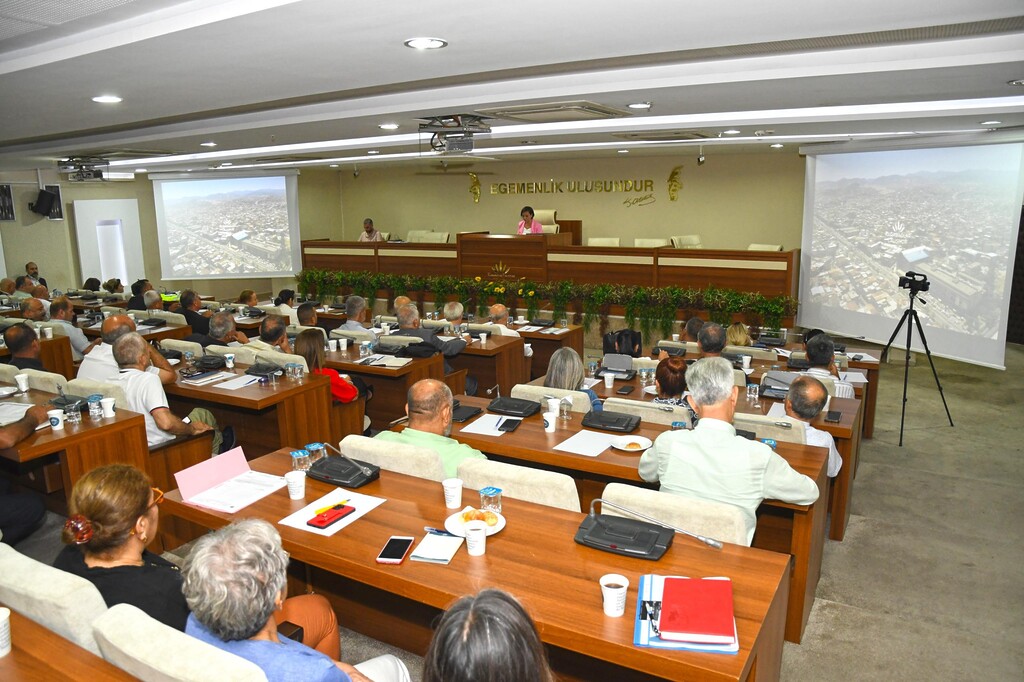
x=697, y=610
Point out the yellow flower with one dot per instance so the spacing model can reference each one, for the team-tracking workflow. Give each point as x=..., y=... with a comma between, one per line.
x=531, y=293
x=477, y=279
x=520, y=292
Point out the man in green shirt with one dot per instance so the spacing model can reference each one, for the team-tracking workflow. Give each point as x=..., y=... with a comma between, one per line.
x=429, y=407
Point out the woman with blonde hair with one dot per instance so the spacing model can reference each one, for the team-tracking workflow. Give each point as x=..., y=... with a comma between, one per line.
x=565, y=371
x=738, y=335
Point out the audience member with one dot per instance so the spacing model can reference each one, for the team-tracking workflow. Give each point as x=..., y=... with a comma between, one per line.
x=273, y=335
x=235, y=583
x=113, y=286
x=498, y=315
x=139, y=287
x=63, y=313
x=153, y=300
x=370, y=233
x=99, y=363
x=286, y=302
x=7, y=286
x=222, y=332
x=306, y=314
x=429, y=408
x=821, y=354
x=810, y=334
x=565, y=371
x=20, y=513
x=711, y=462
x=355, y=311
x=248, y=297
x=738, y=335
x=670, y=382
x=23, y=344
x=23, y=286
x=486, y=638
x=92, y=284
x=310, y=345
x=711, y=340
x=33, y=309
x=453, y=312
x=692, y=328
x=805, y=401
x=32, y=270
x=409, y=325
x=190, y=305
x=145, y=395
x=401, y=301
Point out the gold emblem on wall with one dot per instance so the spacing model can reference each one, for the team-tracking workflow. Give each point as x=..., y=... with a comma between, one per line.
x=500, y=271
x=474, y=187
x=675, y=183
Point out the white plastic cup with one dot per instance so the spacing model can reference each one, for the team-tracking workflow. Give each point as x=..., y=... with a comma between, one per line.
x=752, y=391
x=296, y=481
x=675, y=337
x=527, y=349
x=229, y=360
x=56, y=419
x=22, y=381
x=746, y=361
x=333, y=345
x=483, y=338
x=343, y=345
x=549, y=421
x=521, y=319
x=476, y=537
x=5, y=631
x=47, y=333
x=385, y=327
x=108, y=407
x=553, y=405
x=452, y=492
x=106, y=314
x=609, y=381
x=613, y=592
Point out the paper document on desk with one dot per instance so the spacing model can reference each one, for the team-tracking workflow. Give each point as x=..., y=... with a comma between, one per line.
x=219, y=376
x=530, y=328
x=854, y=377
x=13, y=412
x=225, y=483
x=556, y=330
x=783, y=352
x=391, y=361
x=862, y=357
x=362, y=504
x=486, y=425
x=590, y=383
x=238, y=382
x=587, y=443
x=777, y=410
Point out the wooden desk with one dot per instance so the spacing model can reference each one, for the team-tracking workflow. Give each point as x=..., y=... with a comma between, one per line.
x=82, y=306
x=168, y=331
x=83, y=447
x=545, y=345
x=390, y=385
x=41, y=655
x=266, y=417
x=535, y=559
x=798, y=530
x=500, y=361
x=870, y=397
x=55, y=354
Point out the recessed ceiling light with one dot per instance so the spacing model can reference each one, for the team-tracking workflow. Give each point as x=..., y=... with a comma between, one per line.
x=373, y=151
x=424, y=43
x=639, y=105
x=777, y=145
x=141, y=170
x=1019, y=81
x=226, y=163
x=731, y=131
x=334, y=165
x=106, y=99
x=623, y=151
x=388, y=126
x=990, y=123
x=207, y=144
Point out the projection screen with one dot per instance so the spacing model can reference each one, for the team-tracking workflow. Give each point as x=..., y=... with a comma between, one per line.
x=217, y=226
x=951, y=214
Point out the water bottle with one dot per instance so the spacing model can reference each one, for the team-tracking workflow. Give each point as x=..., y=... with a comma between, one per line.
x=317, y=451
x=95, y=409
x=300, y=460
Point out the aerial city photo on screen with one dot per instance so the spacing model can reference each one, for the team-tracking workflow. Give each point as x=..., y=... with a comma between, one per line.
x=227, y=227
x=943, y=220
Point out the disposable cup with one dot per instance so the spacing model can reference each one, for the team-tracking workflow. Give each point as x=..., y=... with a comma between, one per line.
x=56, y=419
x=746, y=361
x=675, y=337
x=553, y=405
x=333, y=345
x=613, y=592
x=108, y=407
x=22, y=381
x=5, y=631
x=476, y=537
x=343, y=345
x=550, y=421
x=229, y=360
x=609, y=381
x=452, y=492
x=296, y=481
x=47, y=333
x=483, y=338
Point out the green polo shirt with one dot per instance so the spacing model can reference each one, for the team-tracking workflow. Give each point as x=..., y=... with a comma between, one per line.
x=451, y=451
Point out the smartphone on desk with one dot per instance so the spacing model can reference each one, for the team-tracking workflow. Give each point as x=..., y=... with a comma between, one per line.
x=625, y=390
x=509, y=425
x=395, y=550
x=833, y=416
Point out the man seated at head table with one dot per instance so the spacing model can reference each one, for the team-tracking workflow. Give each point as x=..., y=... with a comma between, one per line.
x=711, y=340
x=33, y=309
x=821, y=354
x=805, y=400
x=20, y=513
x=235, y=585
x=453, y=312
x=63, y=313
x=273, y=335
x=99, y=363
x=145, y=395
x=222, y=332
x=23, y=344
x=429, y=408
x=356, y=312
x=712, y=463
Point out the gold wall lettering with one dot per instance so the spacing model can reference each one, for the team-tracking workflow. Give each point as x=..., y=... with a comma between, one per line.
x=568, y=186
x=474, y=187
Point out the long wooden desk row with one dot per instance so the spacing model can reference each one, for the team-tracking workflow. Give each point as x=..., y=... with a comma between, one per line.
x=535, y=559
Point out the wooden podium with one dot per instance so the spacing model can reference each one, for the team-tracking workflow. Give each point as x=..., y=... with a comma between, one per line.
x=488, y=255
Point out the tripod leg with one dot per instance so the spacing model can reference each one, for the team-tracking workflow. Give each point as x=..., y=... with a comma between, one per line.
x=927, y=352
x=906, y=366
x=885, y=351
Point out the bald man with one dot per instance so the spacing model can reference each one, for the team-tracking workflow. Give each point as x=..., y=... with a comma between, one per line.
x=23, y=345
x=33, y=309
x=805, y=401
x=429, y=408
x=498, y=315
x=99, y=363
x=7, y=285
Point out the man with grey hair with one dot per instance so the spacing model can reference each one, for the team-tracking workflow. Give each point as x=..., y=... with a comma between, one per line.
x=273, y=335
x=151, y=299
x=821, y=354
x=454, y=312
x=235, y=584
x=429, y=408
x=222, y=332
x=711, y=340
x=355, y=310
x=63, y=314
x=33, y=309
x=145, y=395
x=692, y=329
x=99, y=363
x=805, y=400
x=409, y=325
x=712, y=463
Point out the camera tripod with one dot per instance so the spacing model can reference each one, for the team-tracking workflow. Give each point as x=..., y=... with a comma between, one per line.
x=911, y=314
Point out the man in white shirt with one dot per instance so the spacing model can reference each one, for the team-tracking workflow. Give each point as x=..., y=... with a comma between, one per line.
x=355, y=311
x=821, y=354
x=454, y=313
x=61, y=312
x=805, y=401
x=98, y=364
x=145, y=395
x=712, y=463
x=273, y=335
x=499, y=316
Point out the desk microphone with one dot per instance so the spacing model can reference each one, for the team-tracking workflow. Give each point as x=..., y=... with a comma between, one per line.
x=496, y=388
x=710, y=542
x=366, y=471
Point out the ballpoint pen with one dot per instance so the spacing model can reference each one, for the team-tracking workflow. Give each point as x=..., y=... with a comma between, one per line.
x=439, y=531
x=330, y=506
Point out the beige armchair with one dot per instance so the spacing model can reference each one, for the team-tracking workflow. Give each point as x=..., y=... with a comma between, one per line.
x=603, y=241
x=521, y=483
x=398, y=457
x=711, y=519
x=548, y=218
x=580, y=400
x=687, y=241
x=650, y=243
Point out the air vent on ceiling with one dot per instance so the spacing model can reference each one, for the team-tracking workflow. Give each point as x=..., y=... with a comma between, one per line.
x=661, y=136
x=555, y=112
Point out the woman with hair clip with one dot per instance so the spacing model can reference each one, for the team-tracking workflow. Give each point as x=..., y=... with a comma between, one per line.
x=286, y=302
x=486, y=638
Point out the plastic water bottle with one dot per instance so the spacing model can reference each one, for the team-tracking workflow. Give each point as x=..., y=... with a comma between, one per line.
x=95, y=409
x=300, y=460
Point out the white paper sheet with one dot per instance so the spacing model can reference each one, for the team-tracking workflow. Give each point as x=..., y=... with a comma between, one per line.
x=864, y=357
x=777, y=410
x=556, y=330
x=391, y=361
x=854, y=377
x=485, y=425
x=219, y=376
x=530, y=328
x=238, y=382
x=362, y=503
x=238, y=492
x=783, y=352
x=590, y=383
x=13, y=412
x=587, y=443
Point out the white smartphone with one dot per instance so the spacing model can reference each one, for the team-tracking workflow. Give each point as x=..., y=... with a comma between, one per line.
x=395, y=550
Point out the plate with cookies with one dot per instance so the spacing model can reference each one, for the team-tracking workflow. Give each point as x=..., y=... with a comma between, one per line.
x=455, y=524
x=631, y=443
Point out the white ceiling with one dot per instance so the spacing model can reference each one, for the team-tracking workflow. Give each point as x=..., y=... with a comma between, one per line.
x=259, y=75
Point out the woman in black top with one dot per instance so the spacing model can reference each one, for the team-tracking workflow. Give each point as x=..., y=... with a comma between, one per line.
x=114, y=515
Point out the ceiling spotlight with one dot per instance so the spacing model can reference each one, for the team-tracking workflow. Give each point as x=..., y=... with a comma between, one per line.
x=623, y=151
x=700, y=159
x=1019, y=81
x=731, y=131
x=424, y=43
x=777, y=145
x=226, y=163
x=334, y=165
x=355, y=171
x=640, y=105
x=990, y=123
x=106, y=99
x=207, y=144
x=141, y=170
x=388, y=126
x=371, y=152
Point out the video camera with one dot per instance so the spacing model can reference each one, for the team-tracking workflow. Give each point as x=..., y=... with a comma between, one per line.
x=914, y=281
